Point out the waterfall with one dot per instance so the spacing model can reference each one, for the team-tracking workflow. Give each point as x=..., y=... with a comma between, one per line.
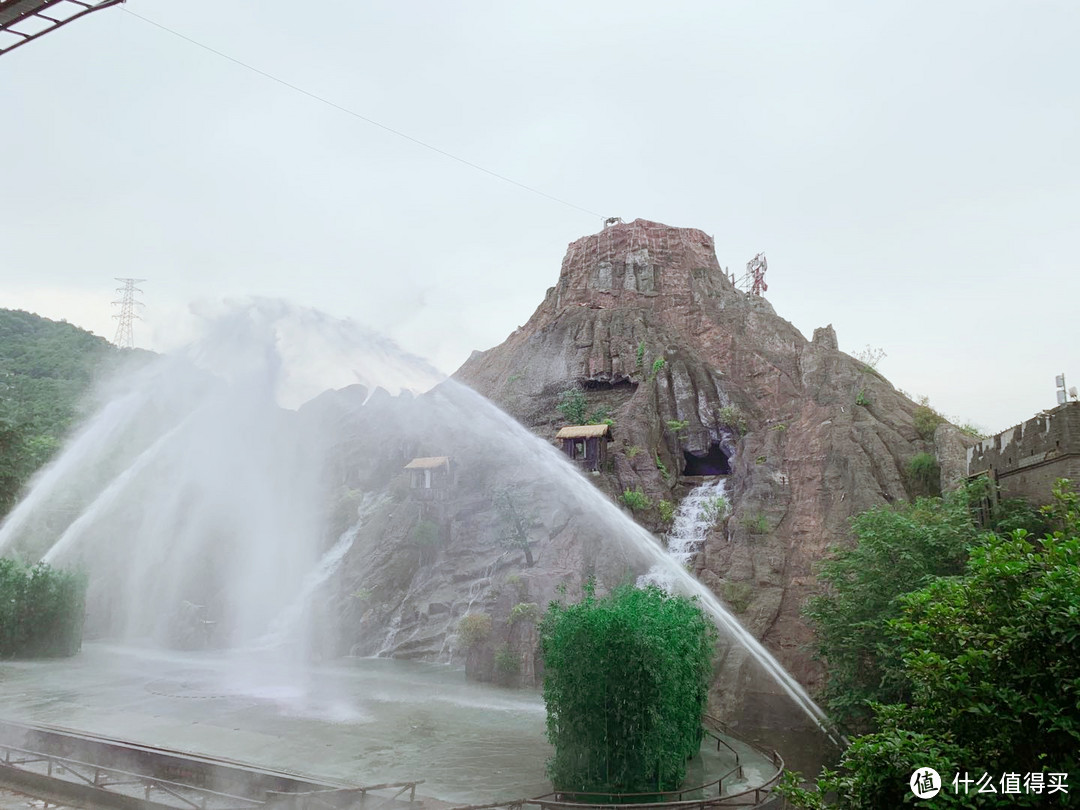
x=698, y=512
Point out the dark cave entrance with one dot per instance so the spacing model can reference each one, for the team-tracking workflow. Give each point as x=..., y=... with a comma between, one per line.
x=715, y=462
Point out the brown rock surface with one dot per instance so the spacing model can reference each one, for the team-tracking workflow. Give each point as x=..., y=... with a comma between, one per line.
x=808, y=458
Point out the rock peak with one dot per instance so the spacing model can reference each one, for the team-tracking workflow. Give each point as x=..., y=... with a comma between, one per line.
x=628, y=262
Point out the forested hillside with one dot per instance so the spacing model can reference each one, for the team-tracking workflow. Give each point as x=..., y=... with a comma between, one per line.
x=46, y=371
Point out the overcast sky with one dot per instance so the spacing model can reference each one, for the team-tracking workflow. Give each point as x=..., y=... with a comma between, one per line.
x=910, y=169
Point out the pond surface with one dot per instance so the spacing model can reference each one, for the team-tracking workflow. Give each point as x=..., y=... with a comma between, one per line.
x=362, y=721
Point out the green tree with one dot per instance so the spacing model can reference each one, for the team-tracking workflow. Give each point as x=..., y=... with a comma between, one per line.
x=46, y=370
x=626, y=683
x=991, y=660
x=572, y=406
x=897, y=550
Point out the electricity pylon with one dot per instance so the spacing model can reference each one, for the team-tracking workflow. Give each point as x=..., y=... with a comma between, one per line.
x=127, y=303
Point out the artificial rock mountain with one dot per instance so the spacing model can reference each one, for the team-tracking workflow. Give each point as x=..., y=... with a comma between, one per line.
x=812, y=436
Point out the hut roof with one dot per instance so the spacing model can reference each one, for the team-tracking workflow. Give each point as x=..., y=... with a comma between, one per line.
x=582, y=432
x=428, y=463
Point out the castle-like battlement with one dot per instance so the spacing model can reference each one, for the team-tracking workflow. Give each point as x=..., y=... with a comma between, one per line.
x=1026, y=459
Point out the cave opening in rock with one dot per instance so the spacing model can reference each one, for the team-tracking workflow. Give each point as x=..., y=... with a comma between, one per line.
x=715, y=462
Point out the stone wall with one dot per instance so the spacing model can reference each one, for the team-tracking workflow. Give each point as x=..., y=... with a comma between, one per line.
x=1027, y=459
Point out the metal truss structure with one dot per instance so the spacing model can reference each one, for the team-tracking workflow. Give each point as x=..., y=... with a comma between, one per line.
x=24, y=20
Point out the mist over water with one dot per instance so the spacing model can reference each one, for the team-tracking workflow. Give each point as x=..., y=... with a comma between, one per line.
x=198, y=498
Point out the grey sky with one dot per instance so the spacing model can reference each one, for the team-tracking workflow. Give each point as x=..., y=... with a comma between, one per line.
x=910, y=169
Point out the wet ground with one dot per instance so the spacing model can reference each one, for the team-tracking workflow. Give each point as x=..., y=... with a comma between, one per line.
x=361, y=721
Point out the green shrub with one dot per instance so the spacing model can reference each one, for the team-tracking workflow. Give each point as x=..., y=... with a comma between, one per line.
x=667, y=511
x=756, y=523
x=473, y=629
x=971, y=430
x=626, y=684
x=662, y=468
x=657, y=366
x=632, y=451
x=677, y=426
x=898, y=549
x=737, y=594
x=732, y=417
x=926, y=419
x=861, y=399
x=572, y=406
x=760, y=460
x=425, y=534
x=41, y=610
x=640, y=354
x=924, y=474
x=524, y=612
x=636, y=500
x=507, y=661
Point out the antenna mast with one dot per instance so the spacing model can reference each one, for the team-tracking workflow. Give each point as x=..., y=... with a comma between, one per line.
x=755, y=275
x=127, y=303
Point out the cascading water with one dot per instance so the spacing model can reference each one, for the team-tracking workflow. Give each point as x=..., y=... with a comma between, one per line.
x=698, y=512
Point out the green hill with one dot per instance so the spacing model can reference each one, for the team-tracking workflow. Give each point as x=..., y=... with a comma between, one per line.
x=47, y=368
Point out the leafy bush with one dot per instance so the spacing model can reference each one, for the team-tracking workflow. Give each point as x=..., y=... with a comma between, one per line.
x=657, y=366
x=640, y=354
x=861, y=399
x=732, y=417
x=677, y=426
x=662, y=468
x=972, y=430
x=507, y=662
x=666, y=510
x=524, y=612
x=924, y=474
x=990, y=663
x=897, y=550
x=632, y=451
x=635, y=499
x=626, y=683
x=926, y=419
x=737, y=594
x=572, y=406
x=41, y=610
x=756, y=523
x=425, y=534
x=473, y=629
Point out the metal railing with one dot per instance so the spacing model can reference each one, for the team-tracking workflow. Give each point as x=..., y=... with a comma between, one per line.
x=101, y=777
x=88, y=775
x=748, y=797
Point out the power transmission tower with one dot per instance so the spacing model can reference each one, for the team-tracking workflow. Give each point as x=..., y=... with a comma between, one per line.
x=127, y=303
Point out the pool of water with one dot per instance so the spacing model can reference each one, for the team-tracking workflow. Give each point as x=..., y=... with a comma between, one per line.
x=361, y=721
x=358, y=720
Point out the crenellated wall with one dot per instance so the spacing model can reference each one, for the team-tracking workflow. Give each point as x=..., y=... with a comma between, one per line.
x=1028, y=458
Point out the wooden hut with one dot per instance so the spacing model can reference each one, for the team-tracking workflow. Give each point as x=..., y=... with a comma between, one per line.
x=430, y=477
x=585, y=444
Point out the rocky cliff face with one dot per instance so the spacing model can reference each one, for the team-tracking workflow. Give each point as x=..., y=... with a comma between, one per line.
x=693, y=371
x=699, y=378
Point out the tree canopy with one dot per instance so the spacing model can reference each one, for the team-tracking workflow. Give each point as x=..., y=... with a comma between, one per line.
x=986, y=669
x=46, y=371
